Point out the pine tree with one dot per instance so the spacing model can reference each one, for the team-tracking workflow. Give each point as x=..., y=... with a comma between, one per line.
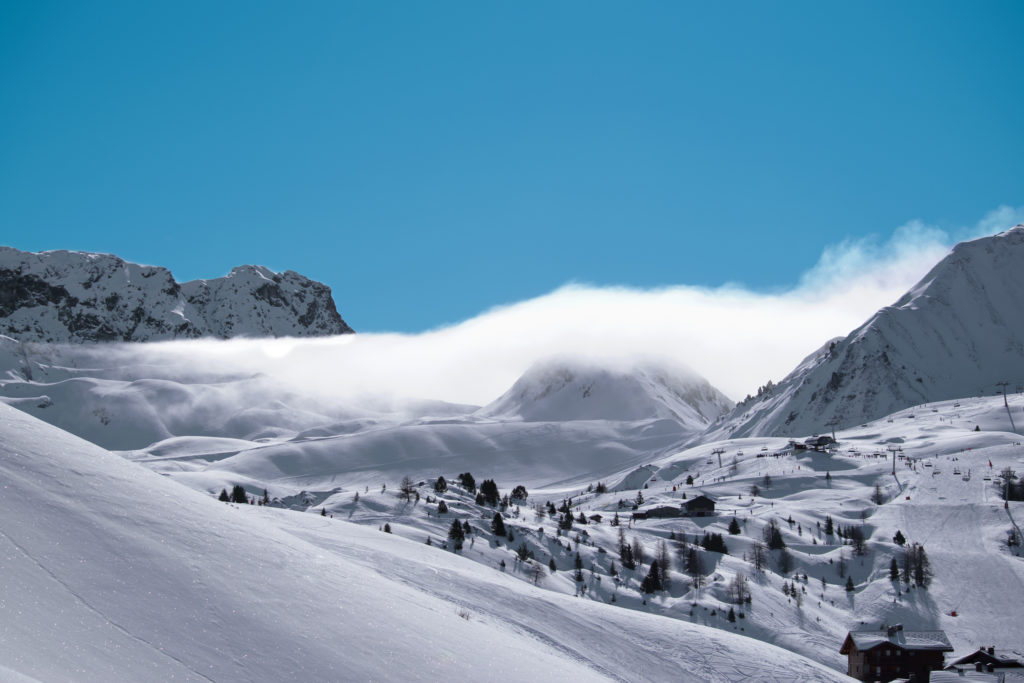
x=615, y=519
x=773, y=537
x=489, y=489
x=894, y=570
x=442, y=507
x=266, y=497
x=849, y=584
x=456, y=534
x=732, y=615
x=387, y=528
x=578, y=564
x=689, y=480
x=734, y=527
x=653, y=581
x=829, y=528
x=224, y=497
x=498, y=524
x=899, y=539
x=551, y=565
x=238, y=495
x=441, y=485
x=519, y=493
x=468, y=482
x=323, y=512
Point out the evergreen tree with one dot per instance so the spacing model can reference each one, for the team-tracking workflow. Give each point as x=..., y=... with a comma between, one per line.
x=653, y=581
x=442, y=507
x=224, y=497
x=860, y=546
x=323, y=512
x=519, y=493
x=734, y=527
x=899, y=539
x=625, y=552
x=441, y=485
x=456, y=534
x=466, y=529
x=387, y=528
x=849, y=584
x=480, y=500
x=489, y=490
x=551, y=565
x=773, y=537
x=497, y=524
x=894, y=570
x=578, y=564
x=732, y=615
x=922, y=567
x=615, y=519
x=695, y=567
x=468, y=482
x=266, y=497
x=639, y=500
x=238, y=494
x=639, y=553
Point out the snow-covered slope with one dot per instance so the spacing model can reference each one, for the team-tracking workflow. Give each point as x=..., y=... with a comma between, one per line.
x=68, y=296
x=111, y=572
x=563, y=390
x=956, y=333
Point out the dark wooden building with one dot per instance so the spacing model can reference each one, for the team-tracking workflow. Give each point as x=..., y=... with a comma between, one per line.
x=658, y=512
x=889, y=653
x=989, y=659
x=701, y=506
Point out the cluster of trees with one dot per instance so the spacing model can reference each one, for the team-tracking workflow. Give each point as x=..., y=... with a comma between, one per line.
x=238, y=495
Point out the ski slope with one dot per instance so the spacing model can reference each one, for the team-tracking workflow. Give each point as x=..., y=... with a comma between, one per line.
x=112, y=572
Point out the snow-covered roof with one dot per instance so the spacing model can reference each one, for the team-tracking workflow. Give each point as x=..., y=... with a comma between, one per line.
x=999, y=656
x=907, y=640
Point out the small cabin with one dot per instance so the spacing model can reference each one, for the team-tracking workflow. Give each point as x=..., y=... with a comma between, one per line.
x=596, y=519
x=701, y=506
x=889, y=653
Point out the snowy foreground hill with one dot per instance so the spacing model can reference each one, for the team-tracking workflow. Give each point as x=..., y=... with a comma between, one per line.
x=956, y=333
x=72, y=296
x=112, y=572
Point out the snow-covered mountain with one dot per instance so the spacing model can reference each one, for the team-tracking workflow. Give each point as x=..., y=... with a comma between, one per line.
x=566, y=390
x=956, y=333
x=70, y=296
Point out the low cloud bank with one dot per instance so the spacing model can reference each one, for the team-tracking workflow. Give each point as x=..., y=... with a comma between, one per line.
x=736, y=338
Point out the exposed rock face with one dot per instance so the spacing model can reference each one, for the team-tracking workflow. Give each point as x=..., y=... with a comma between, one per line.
x=956, y=333
x=68, y=296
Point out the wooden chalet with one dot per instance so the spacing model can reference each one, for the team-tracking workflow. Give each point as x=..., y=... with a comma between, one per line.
x=989, y=659
x=889, y=653
x=701, y=506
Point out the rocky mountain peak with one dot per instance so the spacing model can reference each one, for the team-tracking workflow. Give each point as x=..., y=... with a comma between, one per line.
x=70, y=296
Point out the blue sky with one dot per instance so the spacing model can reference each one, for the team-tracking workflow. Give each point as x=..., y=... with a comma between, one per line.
x=431, y=160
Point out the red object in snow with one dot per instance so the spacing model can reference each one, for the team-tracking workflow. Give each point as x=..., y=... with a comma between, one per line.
x=953, y=613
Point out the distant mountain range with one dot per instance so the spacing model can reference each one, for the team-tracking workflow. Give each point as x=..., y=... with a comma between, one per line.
x=956, y=333
x=75, y=297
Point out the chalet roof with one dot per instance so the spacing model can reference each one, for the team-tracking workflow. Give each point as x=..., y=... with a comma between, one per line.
x=907, y=640
x=997, y=656
x=700, y=498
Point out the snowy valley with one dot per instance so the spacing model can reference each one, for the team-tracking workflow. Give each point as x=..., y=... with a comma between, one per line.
x=533, y=556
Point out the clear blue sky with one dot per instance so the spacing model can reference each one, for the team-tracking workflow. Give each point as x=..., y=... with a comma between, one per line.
x=430, y=160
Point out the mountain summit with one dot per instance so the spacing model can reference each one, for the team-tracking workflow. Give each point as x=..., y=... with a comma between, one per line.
x=566, y=390
x=72, y=296
x=956, y=333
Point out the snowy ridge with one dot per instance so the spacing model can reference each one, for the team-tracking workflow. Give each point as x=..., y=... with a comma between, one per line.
x=69, y=296
x=954, y=334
